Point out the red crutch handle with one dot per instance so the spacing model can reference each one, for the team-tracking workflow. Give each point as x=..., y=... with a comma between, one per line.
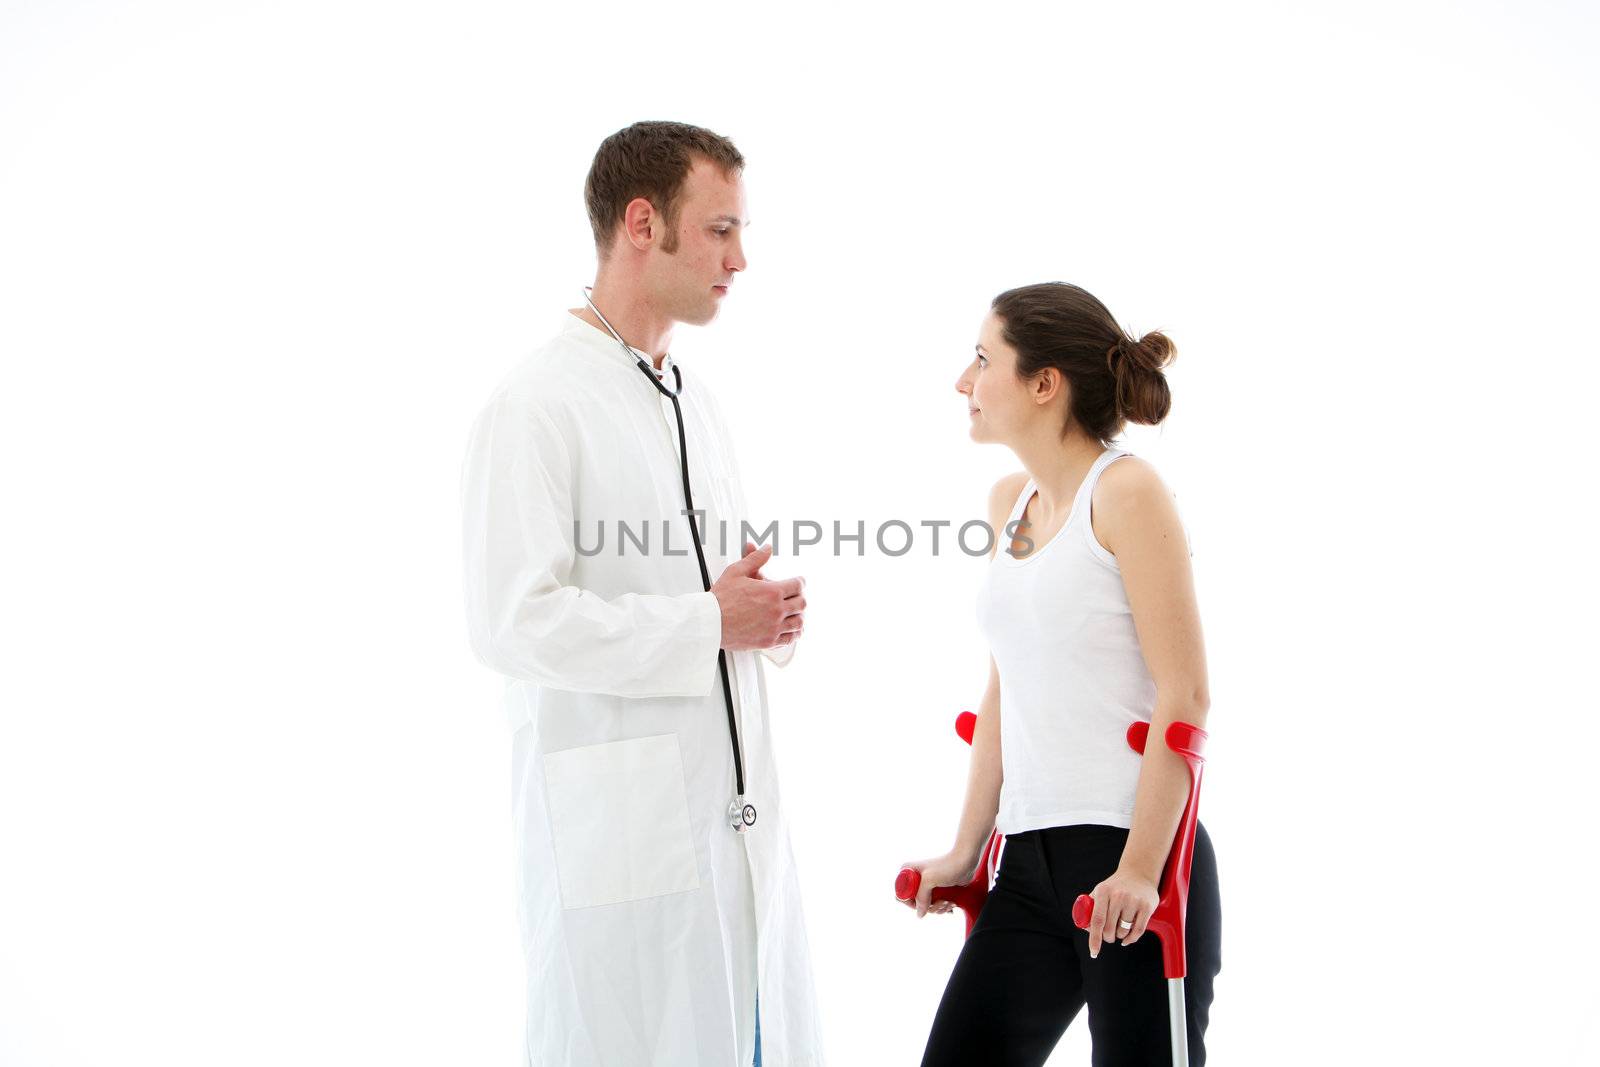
x=966, y=723
x=1188, y=741
x=970, y=897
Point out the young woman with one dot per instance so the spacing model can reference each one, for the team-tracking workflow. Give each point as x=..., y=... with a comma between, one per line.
x=1089, y=610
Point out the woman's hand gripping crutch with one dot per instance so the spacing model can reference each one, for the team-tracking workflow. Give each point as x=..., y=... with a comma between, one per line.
x=958, y=879
x=1188, y=741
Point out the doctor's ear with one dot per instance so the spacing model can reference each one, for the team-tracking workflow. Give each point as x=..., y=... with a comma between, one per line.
x=640, y=221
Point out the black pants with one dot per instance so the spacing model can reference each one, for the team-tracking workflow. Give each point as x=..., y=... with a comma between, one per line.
x=1025, y=972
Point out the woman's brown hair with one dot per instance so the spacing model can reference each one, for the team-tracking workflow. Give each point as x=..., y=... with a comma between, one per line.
x=1111, y=378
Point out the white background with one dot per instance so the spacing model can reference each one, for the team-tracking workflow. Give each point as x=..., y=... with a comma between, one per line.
x=261, y=263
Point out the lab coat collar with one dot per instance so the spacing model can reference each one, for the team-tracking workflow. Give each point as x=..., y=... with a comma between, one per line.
x=598, y=339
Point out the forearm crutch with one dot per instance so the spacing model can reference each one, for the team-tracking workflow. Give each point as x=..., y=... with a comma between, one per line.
x=970, y=897
x=1188, y=741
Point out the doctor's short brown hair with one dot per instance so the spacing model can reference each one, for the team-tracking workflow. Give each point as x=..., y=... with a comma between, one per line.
x=652, y=160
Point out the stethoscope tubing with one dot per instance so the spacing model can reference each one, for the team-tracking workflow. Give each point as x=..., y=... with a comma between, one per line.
x=688, y=503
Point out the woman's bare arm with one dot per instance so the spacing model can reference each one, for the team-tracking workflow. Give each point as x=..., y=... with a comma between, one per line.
x=1136, y=520
x=984, y=774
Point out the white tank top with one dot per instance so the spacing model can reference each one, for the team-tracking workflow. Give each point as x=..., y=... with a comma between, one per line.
x=1072, y=676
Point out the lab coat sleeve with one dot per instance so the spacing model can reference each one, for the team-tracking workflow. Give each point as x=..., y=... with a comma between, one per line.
x=780, y=655
x=524, y=617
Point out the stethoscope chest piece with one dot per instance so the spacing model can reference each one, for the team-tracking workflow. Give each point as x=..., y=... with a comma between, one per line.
x=741, y=816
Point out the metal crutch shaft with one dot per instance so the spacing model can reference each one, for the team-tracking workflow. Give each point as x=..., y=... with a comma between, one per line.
x=1178, y=1023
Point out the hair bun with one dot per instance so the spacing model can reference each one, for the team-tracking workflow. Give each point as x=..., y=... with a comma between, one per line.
x=1152, y=352
x=1141, y=389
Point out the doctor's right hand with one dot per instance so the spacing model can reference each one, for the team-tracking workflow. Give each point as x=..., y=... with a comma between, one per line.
x=950, y=869
x=758, y=613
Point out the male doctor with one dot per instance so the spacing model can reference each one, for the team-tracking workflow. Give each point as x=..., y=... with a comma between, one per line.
x=657, y=900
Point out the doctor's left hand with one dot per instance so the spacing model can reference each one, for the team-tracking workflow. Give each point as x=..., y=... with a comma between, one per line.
x=794, y=603
x=758, y=612
x=1124, y=897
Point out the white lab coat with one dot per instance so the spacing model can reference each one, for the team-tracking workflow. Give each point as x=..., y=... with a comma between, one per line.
x=648, y=924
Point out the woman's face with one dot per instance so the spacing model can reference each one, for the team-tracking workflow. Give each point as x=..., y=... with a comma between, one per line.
x=1000, y=405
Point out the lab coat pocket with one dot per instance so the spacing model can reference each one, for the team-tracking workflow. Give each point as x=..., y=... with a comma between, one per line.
x=619, y=816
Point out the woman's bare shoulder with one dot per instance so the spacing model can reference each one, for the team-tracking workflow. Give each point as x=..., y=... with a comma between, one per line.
x=1004, y=495
x=1131, y=496
x=1131, y=482
x=1001, y=499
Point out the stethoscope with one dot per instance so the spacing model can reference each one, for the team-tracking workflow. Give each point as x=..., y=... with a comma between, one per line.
x=741, y=815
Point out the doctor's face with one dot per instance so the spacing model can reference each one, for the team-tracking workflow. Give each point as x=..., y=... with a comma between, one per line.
x=690, y=283
x=1000, y=406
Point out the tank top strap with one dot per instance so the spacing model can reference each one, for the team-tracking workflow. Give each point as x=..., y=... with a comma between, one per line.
x=1079, y=506
x=1018, y=507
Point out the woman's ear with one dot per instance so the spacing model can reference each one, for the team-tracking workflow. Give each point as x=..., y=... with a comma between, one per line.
x=1047, y=385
